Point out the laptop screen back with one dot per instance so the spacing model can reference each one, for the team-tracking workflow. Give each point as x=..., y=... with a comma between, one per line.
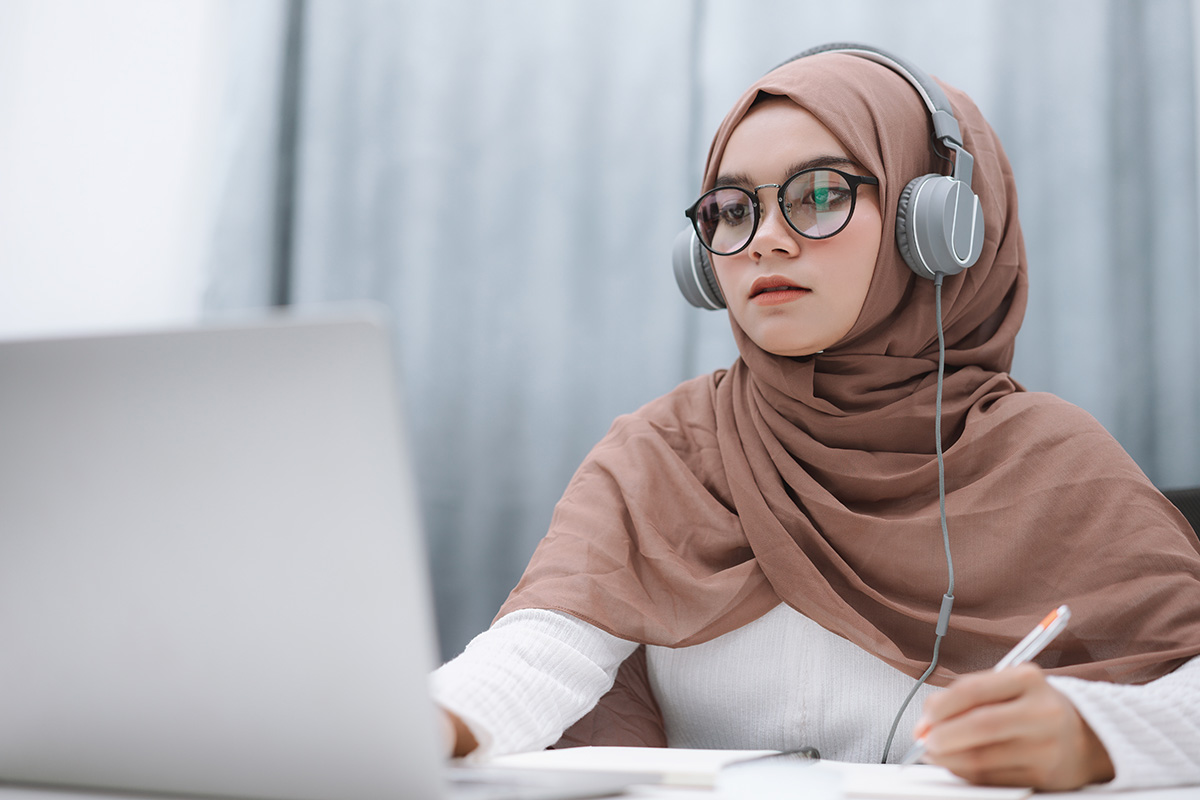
x=212, y=578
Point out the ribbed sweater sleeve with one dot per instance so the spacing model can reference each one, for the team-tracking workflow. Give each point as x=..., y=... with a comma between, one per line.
x=1151, y=732
x=522, y=682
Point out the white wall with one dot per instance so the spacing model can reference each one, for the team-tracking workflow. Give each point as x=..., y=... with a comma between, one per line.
x=107, y=126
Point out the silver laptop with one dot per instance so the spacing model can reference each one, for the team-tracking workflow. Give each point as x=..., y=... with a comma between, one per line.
x=212, y=576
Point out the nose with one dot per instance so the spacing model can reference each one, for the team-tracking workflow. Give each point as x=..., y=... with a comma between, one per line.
x=774, y=234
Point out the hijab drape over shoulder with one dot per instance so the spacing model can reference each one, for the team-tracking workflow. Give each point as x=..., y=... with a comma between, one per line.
x=813, y=481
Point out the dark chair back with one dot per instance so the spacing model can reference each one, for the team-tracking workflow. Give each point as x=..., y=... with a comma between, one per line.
x=1187, y=501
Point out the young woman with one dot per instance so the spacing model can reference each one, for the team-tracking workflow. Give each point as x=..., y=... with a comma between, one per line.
x=760, y=552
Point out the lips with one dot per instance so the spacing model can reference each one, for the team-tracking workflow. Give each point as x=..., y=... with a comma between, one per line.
x=771, y=284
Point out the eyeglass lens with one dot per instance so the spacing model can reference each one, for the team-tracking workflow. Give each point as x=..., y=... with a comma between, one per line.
x=817, y=204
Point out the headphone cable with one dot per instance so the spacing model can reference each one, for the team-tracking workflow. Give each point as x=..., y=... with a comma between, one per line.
x=943, y=622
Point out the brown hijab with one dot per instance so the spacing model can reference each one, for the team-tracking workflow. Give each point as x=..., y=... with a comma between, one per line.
x=813, y=481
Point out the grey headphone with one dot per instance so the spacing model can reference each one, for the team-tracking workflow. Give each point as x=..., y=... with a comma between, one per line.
x=939, y=222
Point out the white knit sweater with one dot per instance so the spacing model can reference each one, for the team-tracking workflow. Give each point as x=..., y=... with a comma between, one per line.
x=779, y=682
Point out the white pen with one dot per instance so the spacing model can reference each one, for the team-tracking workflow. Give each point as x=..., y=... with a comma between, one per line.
x=1026, y=649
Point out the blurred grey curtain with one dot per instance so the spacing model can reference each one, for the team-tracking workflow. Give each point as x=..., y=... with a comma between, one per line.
x=507, y=179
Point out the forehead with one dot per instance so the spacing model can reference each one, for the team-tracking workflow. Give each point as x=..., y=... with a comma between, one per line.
x=776, y=132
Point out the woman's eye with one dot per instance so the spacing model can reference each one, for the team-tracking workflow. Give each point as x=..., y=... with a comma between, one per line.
x=734, y=213
x=826, y=197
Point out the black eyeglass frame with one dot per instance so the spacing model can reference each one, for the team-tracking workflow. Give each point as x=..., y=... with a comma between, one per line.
x=853, y=181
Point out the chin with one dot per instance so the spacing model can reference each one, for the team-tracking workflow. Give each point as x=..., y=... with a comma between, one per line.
x=789, y=337
x=790, y=351
x=788, y=341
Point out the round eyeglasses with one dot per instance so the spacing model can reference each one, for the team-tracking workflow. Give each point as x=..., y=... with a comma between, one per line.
x=817, y=203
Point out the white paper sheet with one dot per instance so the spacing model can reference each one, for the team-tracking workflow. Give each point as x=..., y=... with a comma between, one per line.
x=699, y=769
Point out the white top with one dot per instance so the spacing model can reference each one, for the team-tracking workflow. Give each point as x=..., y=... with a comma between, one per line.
x=779, y=682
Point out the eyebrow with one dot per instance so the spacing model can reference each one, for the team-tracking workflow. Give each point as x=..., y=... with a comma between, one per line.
x=742, y=179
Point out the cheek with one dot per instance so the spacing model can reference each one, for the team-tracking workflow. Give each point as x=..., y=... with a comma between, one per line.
x=725, y=269
x=865, y=254
x=868, y=259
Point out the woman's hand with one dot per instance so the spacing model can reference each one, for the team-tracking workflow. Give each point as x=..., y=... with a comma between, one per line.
x=458, y=737
x=1012, y=728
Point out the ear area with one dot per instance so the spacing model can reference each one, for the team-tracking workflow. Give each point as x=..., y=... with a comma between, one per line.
x=694, y=273
x=904, y=229
x=939, y=226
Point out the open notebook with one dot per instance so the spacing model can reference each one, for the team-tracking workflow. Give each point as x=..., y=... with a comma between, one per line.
x=212, y=574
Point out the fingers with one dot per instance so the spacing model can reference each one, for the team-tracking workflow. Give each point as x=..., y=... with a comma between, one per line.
x=1004, y=764
x=1011, y=728
x=1051, y=764
x=975, y=691
x=459, y=739
x=985, y=709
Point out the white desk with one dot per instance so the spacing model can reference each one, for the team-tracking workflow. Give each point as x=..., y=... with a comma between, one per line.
x=636, y=793
x=1174, y=793
x=690, y=775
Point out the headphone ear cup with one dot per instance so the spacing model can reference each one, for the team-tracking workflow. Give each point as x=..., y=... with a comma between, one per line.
x=694, y=273
x=903, y=229
x=939, y=226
